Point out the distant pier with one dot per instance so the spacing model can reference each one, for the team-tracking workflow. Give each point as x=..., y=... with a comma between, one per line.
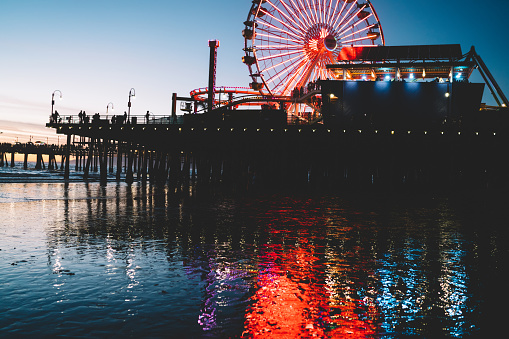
x=32, y=149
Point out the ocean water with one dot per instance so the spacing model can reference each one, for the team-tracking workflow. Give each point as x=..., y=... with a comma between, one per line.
x=81, y=260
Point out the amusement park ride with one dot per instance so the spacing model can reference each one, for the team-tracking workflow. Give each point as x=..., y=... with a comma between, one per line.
x=292, y=47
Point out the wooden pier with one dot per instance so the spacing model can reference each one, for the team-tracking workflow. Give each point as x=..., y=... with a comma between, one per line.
x=52, y=151
x=244, y=155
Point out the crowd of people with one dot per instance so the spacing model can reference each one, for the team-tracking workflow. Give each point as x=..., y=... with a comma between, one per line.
x=299, y=92
x=55, y=117
x=119, y=119
x=83, y=118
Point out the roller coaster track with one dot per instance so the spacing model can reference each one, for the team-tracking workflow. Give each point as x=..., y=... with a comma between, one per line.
x=250, y=97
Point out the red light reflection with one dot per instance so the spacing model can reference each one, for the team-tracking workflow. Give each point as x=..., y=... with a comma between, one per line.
x=295, y=300
x=286, y=305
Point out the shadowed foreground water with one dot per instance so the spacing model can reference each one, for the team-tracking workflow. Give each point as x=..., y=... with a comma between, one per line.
x=83, y=260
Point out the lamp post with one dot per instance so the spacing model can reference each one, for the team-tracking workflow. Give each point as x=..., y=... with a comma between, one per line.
x=132, y=94
x=107, y=106
x=53, y=101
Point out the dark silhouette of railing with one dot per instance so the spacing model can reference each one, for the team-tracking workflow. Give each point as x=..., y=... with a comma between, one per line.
x=120, y=120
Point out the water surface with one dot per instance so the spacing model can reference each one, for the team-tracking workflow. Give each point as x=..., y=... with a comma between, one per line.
x=78, y=259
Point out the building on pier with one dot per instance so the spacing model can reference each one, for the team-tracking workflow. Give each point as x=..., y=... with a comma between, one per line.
x=408, y=87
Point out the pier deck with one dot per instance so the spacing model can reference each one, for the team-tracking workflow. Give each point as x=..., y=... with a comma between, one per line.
x=295, y=155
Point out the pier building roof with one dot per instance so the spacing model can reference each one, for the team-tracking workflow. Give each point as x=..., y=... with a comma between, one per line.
x=412, y=63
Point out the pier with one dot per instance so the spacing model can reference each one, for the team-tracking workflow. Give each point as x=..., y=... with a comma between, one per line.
x=249, y=154
x=32, y=149
x=389, y=131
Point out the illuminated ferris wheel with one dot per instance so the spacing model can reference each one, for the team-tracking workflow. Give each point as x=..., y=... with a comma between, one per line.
x=288, y=43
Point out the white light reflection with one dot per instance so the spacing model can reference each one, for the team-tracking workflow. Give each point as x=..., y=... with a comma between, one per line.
x=412, y=286
x=110, y=252
x=226, y=285
x=131, y=268
x=453, y=285
x=57, y=264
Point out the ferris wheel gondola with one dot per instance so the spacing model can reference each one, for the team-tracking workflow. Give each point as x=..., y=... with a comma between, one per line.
x=288, y=43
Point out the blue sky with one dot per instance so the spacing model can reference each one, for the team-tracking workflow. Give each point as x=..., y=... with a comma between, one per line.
x=94, y=52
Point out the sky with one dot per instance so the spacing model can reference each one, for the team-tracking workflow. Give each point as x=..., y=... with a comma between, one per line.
x=95, y=51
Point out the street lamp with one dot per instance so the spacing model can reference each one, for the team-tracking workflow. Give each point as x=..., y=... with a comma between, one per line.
x=132, y=93
x=107, y=106
x=53, y=101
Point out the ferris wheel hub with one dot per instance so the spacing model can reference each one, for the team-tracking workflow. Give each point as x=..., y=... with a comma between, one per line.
x=330, y=42
x=319, y=38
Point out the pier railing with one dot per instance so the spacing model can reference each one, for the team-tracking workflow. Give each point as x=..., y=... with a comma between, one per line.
x=119, y=119
x=291, y=119
x=31, y=148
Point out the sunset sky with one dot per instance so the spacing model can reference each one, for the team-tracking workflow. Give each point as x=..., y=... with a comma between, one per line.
x=95, y=51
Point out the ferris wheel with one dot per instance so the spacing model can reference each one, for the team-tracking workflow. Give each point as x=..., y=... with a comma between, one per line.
x=288, y=43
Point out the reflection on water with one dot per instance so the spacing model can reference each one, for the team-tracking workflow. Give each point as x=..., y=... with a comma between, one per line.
x=84, y=260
